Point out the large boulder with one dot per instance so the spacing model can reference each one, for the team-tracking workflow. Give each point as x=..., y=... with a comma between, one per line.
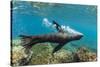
x=83, y=54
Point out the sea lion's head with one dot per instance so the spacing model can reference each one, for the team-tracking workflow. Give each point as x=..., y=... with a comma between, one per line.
x=73, y=34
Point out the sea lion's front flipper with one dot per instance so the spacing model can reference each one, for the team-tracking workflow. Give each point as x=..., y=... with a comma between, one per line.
x=58, y=27
x=58, y=47
x=54, y=22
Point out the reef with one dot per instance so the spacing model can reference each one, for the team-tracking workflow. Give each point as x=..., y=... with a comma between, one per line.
x=41, y=53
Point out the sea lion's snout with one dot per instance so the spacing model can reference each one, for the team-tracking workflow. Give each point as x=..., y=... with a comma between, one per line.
x=75, y=35
x=79, y=36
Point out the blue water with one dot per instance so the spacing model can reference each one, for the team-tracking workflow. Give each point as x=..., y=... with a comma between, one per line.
x=27, y=19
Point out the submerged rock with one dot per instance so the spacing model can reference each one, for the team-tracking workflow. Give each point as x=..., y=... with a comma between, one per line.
x=19, y=56
x=83, y=54
x=41, y=53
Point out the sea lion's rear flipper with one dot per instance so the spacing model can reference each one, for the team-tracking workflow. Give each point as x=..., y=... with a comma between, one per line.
x=58, y=47
x=25, y=40
x=24, y=36
x=29, y=41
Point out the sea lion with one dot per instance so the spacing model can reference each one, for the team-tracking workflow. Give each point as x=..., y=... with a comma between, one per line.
x=61, y=37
